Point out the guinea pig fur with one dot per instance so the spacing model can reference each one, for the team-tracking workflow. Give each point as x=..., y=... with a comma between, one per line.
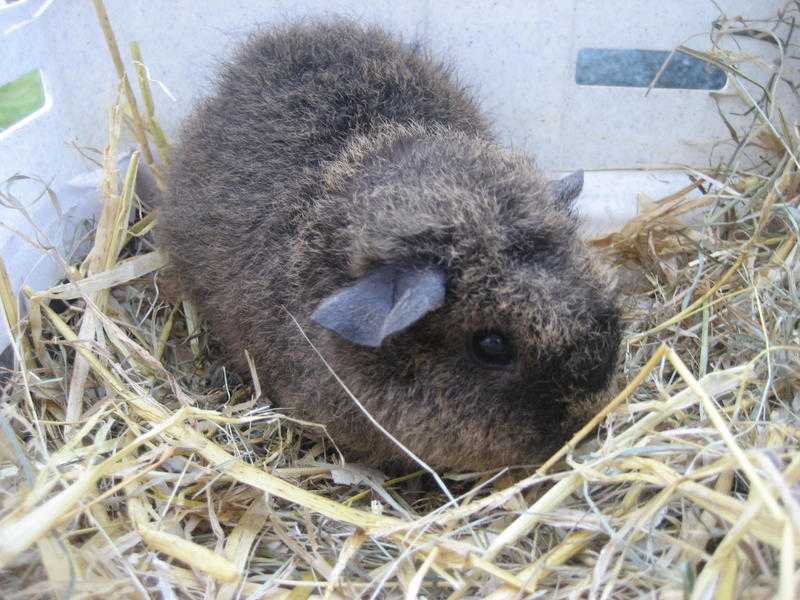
x=346, y=179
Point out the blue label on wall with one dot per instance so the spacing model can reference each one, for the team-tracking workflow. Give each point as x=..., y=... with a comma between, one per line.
x=638, y=68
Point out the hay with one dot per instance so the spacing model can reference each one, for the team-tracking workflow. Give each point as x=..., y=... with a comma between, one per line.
x=134, y=465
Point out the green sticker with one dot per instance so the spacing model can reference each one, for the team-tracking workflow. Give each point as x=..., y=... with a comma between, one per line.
x=21, y=98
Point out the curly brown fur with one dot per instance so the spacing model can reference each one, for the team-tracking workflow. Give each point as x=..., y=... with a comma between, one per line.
x=329, y=149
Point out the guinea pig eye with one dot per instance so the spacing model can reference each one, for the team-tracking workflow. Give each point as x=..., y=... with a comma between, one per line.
x=492, y=349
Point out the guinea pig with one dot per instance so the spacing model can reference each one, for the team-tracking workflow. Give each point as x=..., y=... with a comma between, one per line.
x=340, y=178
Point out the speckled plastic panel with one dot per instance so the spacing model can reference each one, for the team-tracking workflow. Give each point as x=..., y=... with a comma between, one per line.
x=518, y=58
x=643, y=68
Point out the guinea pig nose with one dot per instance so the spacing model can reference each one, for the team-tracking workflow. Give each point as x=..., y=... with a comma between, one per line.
x=592, y=363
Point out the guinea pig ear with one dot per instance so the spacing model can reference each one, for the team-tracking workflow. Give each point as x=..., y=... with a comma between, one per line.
x=385, y=301
x=568, y=188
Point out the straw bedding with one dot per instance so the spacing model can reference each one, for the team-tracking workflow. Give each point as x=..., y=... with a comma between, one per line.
x=132, y=463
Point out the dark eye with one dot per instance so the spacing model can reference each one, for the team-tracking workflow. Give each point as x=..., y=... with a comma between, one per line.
x=492, y=348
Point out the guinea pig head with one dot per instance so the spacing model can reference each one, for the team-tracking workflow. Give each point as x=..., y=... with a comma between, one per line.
x=473, y=324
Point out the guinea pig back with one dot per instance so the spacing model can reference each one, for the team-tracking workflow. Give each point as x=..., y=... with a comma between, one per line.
x=340, y=177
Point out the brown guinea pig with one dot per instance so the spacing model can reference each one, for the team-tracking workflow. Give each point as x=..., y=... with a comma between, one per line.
x=344, y=179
